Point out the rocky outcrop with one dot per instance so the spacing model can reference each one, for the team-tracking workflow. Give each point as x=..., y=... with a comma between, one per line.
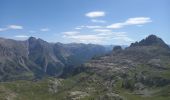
x=144, y=62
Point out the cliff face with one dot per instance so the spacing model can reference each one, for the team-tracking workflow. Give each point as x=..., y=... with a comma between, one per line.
x=36, y=57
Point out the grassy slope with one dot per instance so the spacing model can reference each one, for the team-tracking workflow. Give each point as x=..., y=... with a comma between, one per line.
x=91, y=84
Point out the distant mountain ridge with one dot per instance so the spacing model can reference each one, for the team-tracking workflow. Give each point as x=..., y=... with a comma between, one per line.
x=36, y=57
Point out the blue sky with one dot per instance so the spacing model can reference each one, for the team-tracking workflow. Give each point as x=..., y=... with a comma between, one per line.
x=86, y=21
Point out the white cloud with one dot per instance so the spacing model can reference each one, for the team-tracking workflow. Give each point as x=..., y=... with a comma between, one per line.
x=21, y=37
x=89, y=27
x=11, y=27
x=138, y=21
x=70, y=33
x=131, y=21
x=102, y=30
x=15, y=27
x=85, y=38
x=95, y=14
x=44, y=29
x=116, y=25
x=75, y=36
x=92, y=27
x=98, y=21
x=78, y=28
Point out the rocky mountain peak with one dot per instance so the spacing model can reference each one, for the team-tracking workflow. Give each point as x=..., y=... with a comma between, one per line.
x=151, y=40
x=32, y=39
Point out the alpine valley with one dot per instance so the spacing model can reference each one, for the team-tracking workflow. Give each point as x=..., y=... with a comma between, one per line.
x=37, y=70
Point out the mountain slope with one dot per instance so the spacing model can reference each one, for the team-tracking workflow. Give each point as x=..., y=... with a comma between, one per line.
x=14, y=58
x=138, y=72
x=140, y=69
x=35, y=58
x=135, y=73
x=144, y=61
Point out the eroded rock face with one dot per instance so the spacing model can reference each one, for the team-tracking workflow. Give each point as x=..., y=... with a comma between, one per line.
x=55, y=85
x=35, y=58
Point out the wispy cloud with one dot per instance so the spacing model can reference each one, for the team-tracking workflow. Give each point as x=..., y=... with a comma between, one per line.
x=98, y=21
x=131, y=21
x=78, y=28
x=85, y=38
x=116, y=25
x=104, y=34
x=21, y=37
x=92, y=27
x=122, y=38
x=102, y=30
x=95, y=14
x=70, y=33
x=15, y=27
x=45, y=29
x=11, y=27
x=89, y=27
x=101, y=37
x=138, y=21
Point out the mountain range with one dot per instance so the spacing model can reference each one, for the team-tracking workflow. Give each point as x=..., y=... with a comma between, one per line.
x=35, y=58
x=138, y=72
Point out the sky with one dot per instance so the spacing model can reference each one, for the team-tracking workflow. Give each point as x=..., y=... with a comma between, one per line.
x=85, y=21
